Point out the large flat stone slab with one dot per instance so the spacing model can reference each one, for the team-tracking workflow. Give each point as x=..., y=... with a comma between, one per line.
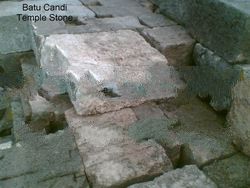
x=111, y=158
x=188, y=176
x=108, y=71
x=229, y=20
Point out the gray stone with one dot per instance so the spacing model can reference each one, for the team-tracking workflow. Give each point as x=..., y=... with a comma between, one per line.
x=131, y=72
x=42, y=161
x=105, y=24
x=200, y=133
x=232, y=172
x=155, y=20
x=14, y=35
x=213, y=69
x=187, y=177
x=172, y=41
x=228, y=19
x=238, y=117
x=114, y=8
x=111, y=158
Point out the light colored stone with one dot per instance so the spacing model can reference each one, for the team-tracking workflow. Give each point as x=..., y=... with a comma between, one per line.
x=155, y=20
x=186, y=177
x=238, y=117
x=110, y=70
x=172, y=41
x=111, y=158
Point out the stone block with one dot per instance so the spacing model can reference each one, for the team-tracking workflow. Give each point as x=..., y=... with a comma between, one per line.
x=111, y=158
x=200, y=133
x=213, y=77
x=155, y=20
x=110, y=70
x=220, y=25
x=173, y=42
x=188, y=176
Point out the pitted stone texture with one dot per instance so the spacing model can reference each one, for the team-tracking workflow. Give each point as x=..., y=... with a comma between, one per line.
x=172, y=41
x=238, y=117
x=229, y=20
x=231, y=172
x=155, y=20
x=213, y=77
x=110, y=70
x=110, y=157
x=186, y=177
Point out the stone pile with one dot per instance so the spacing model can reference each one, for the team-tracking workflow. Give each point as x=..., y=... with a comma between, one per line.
x=222, y=57
x=100, y=101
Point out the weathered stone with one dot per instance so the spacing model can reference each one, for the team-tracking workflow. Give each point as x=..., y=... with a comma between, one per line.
x=105, y=24
x=213, y=69
x=232, y=172
x=110, y=157
x=114, y=8
x=238, y=117
x=5, y=121
x=172, y=41
x=187, y=177
x=14, y=35
x=41, y=160
x=147, y=4
x=110, y=70
x=155, y=20
x=228, y=19
x=201, y=133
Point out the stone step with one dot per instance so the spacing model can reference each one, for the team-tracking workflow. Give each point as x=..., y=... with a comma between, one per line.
x=228, y=20
x=108, y=71
x=188, y=176
x=110, y=157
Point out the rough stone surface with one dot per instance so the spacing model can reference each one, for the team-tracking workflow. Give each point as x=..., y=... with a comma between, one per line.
x=187, y=177
x=212, y=69
x=232, y=172
x=155, y=20
x=114, y=8
x=105, y=24
x=14, y=34
x=110, y=70
x=200, y=133
x=173, y=41
x=238, y=117
x=221, y=25
x=111, y=158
